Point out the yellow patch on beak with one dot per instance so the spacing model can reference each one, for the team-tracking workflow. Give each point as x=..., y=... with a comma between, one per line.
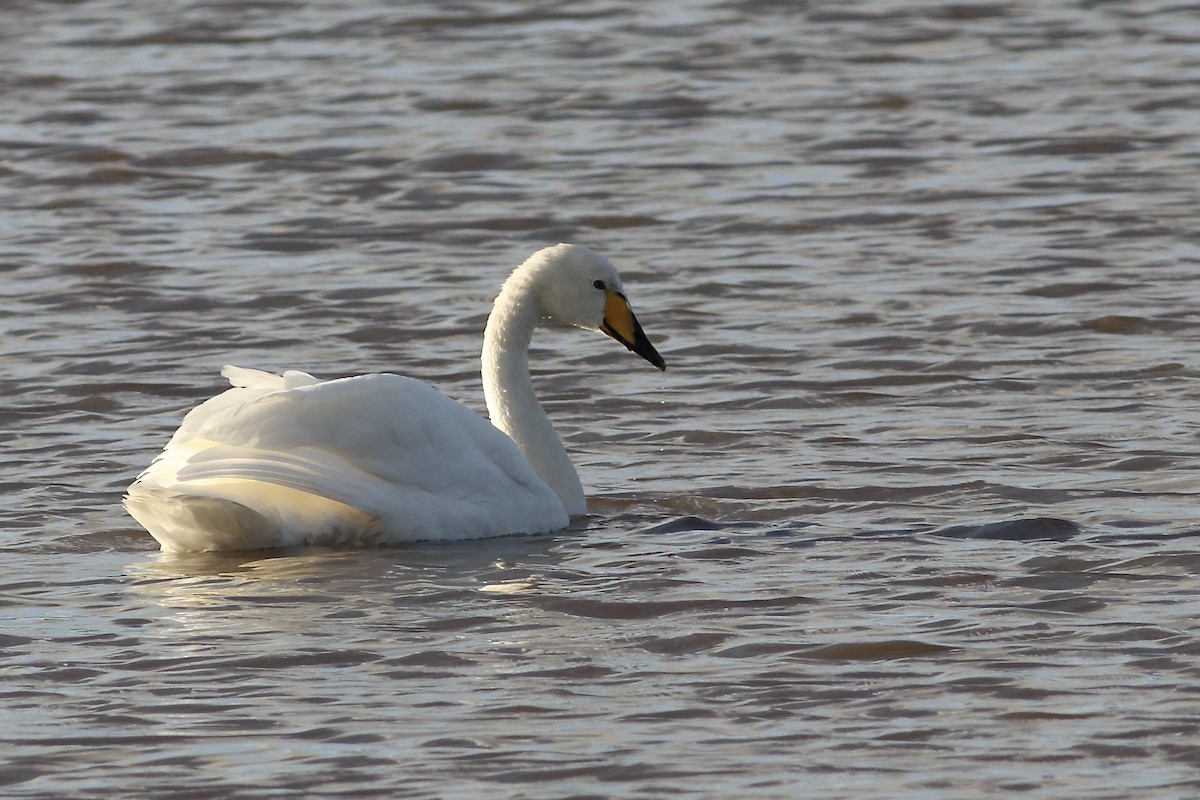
x=618, y=318
x=622, y=325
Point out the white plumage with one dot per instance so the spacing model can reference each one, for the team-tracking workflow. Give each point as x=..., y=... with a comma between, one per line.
x=286, y=460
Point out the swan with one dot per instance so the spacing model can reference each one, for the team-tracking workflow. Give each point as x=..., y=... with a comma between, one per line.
x=378, y=459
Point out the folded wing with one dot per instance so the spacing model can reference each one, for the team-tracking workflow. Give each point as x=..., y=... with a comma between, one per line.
x=372, y=459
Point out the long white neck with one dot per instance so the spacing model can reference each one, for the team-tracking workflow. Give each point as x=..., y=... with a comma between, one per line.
x=508, y=390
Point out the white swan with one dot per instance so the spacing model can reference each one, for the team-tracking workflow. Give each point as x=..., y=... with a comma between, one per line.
x=287, y=460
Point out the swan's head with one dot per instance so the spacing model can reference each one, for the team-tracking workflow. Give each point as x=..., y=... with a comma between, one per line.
x=578, y=286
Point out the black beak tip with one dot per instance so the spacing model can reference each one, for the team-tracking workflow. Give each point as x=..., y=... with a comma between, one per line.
x=641, y=345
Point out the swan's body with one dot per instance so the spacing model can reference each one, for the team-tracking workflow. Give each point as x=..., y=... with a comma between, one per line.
x=286, y=460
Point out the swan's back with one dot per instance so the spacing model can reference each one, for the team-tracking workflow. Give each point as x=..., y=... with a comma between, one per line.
x=279, y=461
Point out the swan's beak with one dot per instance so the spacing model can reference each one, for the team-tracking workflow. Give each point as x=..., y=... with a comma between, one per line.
x=622, y=325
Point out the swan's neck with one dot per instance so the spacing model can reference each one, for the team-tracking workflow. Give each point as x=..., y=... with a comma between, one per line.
x=508, y=390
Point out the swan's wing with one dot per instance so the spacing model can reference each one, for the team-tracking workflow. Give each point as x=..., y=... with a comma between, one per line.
x=392, y=448
x=248, y=385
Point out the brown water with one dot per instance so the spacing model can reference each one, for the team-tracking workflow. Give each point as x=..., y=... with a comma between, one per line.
x=913, y=512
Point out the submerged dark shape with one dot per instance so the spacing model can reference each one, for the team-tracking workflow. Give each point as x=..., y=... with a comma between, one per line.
x=1015, y=530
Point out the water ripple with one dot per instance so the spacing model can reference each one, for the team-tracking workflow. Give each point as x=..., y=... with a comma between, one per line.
x=912, y=512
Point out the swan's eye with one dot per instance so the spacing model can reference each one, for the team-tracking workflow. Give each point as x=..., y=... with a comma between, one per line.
x=599, y=284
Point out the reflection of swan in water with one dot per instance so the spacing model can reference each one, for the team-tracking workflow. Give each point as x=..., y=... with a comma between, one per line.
x=215, y=581
x=280, y=461
x=223, y=597
x=228, y=591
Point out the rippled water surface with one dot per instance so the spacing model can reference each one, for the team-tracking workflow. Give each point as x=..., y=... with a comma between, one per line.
x=912, y=513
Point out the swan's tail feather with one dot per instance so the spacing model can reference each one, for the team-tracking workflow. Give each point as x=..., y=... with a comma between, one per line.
x=262, y=381
x=185, y=521
x=189, y=522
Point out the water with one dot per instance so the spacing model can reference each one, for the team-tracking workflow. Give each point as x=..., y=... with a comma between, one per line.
x=912, y=513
